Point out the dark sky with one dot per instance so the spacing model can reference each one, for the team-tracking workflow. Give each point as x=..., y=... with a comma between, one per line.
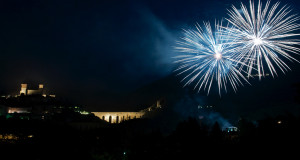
x=95, y=52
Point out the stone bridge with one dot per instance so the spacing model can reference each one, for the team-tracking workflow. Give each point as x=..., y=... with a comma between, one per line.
x=117, y=117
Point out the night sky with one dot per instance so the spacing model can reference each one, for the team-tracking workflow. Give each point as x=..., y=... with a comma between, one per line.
x=116, y=55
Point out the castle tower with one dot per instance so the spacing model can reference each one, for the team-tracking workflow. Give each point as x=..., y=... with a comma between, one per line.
x=23, y=89
x=41, y=89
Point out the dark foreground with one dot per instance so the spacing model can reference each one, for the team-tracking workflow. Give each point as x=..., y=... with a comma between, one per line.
x=40, y=139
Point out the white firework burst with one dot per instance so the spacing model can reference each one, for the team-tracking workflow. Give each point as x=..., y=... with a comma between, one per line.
x=263, y=36
x=205, y=59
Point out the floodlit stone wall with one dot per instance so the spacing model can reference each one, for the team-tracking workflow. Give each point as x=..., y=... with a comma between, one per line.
x=117, y=117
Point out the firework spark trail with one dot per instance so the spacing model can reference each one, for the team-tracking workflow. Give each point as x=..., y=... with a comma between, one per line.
x=263, y=36
x=206, y=58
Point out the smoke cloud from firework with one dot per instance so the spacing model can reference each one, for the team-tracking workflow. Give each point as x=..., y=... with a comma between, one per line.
x=196, y=107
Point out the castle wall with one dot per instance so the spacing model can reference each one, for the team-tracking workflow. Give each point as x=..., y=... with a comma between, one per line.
x=117, y=117
x=34, y=92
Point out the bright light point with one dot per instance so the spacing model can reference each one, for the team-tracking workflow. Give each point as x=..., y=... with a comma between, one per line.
x=218, y=55
x=257, y=41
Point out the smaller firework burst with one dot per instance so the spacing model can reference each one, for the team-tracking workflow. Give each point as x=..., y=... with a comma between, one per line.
x=205, y=59
x=264, y=36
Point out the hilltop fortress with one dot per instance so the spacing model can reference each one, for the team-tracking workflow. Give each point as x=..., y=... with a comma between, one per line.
x=111, y=117
x=19, y=105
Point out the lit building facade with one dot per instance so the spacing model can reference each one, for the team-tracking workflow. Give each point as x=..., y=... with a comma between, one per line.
x=25, y=91
x=18, y=110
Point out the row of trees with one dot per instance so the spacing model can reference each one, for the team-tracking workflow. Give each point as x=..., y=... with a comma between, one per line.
x=136, y=140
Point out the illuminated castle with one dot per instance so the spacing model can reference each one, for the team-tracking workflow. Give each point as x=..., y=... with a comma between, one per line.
x=25, y=91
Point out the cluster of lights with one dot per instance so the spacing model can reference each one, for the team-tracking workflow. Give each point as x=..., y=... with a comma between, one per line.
x=200, y=107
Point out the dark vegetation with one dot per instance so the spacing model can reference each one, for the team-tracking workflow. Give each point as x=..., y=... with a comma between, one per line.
x=133, y=139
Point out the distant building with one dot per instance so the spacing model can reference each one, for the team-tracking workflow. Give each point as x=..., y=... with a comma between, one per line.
x=30, y=100
x=18, y=110
x=231, y=133
x=231, y=129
